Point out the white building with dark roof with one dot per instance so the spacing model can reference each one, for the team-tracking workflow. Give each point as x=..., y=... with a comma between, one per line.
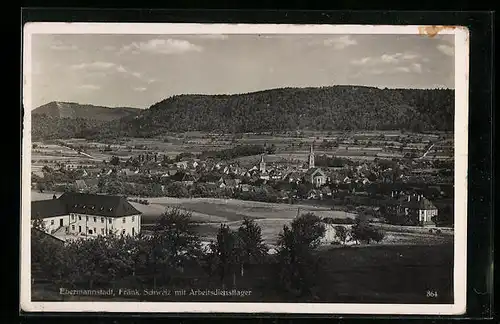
x=80, y=214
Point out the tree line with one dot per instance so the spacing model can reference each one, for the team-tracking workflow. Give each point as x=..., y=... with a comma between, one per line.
x=173, y=255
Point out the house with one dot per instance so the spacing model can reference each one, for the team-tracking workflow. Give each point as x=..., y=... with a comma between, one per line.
x=326, y=191
x=314, y=194
x=182, y=164
x=421, y=207
x=188, y=179
x=293, y=176
x=229, y=183
x=264, y=175
x=246, y=188
x=169, y=173
x=129, y=172
x=315, y=176
x=84, y=214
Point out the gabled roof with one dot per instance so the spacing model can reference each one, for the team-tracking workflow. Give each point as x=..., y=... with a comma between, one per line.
x=47, y=208
x=414, y=203
x=314, y=171
x=80, y=203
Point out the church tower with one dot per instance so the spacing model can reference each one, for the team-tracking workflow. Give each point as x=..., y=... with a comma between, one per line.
x=262, y=164
x=311, y=158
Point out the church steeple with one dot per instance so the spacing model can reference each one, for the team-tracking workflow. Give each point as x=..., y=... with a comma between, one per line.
x=311, y=157
x=262, y=164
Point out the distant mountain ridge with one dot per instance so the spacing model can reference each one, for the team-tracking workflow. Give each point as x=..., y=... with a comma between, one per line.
x=335, y=108
x=75, y=110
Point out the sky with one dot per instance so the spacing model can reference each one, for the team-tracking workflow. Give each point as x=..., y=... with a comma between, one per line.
x=140, y=70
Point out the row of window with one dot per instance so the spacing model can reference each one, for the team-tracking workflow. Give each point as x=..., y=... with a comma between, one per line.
x=110, y=220
x=94, y=231
x=91, y=207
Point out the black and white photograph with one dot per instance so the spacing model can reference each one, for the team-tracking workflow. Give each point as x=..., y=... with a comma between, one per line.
x=244, y=168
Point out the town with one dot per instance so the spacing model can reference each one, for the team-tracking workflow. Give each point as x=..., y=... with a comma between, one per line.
x=418, y=181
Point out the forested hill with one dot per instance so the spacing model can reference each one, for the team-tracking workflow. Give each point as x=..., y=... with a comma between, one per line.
x=327, y=108
x=58, y=119
x=83, y=111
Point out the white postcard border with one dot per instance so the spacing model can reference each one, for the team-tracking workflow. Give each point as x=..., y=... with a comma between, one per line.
x=461, y=155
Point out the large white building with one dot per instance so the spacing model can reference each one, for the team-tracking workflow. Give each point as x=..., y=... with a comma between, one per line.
x=80, y=214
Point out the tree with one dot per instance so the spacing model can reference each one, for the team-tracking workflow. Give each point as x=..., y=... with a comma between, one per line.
x=115, y=161
x=174, y=242
x=308, y=230
x=41, y=186
x=222, y=259
x=303, y=189
x=49, y=258
x=341, y=232
x=176, y=189
x=251, y=245
x=364, y=232
x=296, y=261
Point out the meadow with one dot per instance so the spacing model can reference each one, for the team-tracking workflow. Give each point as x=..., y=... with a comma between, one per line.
x=289, y=146
x=204, y=209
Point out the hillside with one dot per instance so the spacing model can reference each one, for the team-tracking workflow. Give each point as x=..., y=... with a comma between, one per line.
x=75, y=110
x=326, y=108
x=334, y=108
x=48, y=127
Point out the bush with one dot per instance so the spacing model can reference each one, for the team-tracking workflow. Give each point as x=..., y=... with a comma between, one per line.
x=364, y=232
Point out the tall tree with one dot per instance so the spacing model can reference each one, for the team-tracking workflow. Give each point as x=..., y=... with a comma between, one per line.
x=223, y=257
x=251, y=245
x=174, y=242
x=296, y=261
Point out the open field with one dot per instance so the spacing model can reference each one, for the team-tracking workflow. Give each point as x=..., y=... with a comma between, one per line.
x=359, y=146
x=233, y=209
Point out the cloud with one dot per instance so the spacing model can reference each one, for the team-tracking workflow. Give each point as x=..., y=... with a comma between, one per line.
x=93, y=66
x=60, y=46
x=409, y=56
x=340, y=42
x=89, y=87
x=151, y=81
x=109, y=48
x=162, y=46
x=101, y=68
x=393, y=58
x=121, y=69
x=416, y=67
x=140, y=89
x=404, y=69
x=362, y=61
x=446, y=49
